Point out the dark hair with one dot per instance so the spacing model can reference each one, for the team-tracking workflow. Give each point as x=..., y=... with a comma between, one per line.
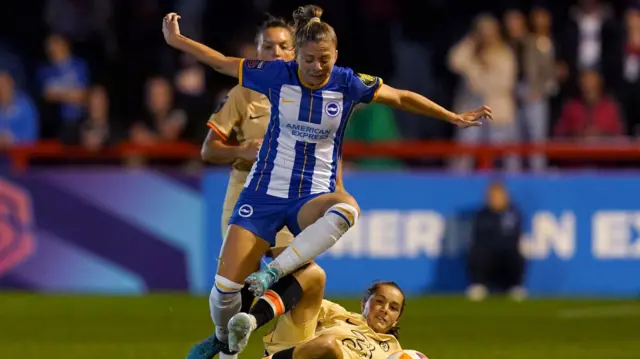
x=309, y=30
x=272, y=22
x=373, y=289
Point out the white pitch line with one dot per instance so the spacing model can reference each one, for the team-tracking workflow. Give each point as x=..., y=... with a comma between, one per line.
x=595, y=312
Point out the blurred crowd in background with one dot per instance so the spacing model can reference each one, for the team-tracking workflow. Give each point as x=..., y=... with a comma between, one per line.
x=97, y=72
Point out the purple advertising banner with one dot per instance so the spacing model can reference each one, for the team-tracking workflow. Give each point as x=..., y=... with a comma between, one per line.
x=133, y=231
x=104, y=231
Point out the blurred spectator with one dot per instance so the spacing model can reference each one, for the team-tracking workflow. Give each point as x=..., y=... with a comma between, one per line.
x=373, y=33
x=533, y=54
x=592, y=116
x=86, y=24
x=78, y=20
x=190, y=85
x=64, y=83
x=514, y=75
x=373, y=123
x=416, y=76
x=18, y=115
x=630, y=91
x=488, y=70
x=515, y=25
x=97, y=129
x=591, y=40
x=540, y=82
x=11, y=63
x=194, y=10
x=494, y=256
x=162, y=122
x=190, y=79
x=147, y=52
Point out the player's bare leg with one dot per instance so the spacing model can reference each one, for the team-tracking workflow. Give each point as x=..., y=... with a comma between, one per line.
x=323, y=220
x=322, y=347
x=299, y=294
x=240, y=253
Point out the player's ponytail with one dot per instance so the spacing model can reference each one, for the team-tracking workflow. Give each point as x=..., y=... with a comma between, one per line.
x=373, y=289
x=310, y=28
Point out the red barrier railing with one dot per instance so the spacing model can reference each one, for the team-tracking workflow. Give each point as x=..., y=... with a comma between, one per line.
x=485, y=155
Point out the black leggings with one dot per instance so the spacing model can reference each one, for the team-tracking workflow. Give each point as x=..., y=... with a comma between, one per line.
x=496, y=268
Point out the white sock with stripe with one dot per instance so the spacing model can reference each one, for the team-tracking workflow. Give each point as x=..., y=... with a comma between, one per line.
x=316, y=238
x=225, y=301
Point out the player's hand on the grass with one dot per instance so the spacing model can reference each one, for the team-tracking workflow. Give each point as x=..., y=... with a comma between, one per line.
x=170, y=27
x=473, y=118
x=249, y=150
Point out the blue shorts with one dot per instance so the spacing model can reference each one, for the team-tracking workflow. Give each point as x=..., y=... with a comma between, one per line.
x=266, y=215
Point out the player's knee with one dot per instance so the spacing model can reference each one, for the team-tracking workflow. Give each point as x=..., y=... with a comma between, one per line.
x=324, y=346
x=345, y=214
x=312, y=278
x=350, y=201
x=317, y=275
x=240, y=254
x=225, y=293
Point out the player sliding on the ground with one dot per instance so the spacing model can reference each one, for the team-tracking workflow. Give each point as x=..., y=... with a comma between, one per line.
x=317, y=328
x=293, y=181
x=335, y=333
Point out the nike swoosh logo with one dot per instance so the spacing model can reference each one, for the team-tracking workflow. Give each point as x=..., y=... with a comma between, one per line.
x=287, y=101
x=350, y=322
x=255, y=117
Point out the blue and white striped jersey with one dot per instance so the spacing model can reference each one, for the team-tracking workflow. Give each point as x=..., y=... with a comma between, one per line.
x=303, y=143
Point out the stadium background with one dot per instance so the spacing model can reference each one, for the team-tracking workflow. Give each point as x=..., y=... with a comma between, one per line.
x=108, y=250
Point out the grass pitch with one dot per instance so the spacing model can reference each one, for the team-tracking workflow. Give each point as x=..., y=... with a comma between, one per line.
x=164, y=326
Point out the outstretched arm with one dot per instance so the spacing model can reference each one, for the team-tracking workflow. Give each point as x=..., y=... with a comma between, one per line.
x=223, y=64
x=413, y=102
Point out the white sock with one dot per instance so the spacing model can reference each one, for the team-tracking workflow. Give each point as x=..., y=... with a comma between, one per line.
x=316, y=238
x=228, y=356
x=225, y=301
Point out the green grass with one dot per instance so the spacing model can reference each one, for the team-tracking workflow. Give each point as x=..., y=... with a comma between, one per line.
x=164, y=326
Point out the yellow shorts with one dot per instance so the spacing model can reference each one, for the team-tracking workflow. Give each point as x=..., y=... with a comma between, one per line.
x=286, y=334
x=236, y=183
